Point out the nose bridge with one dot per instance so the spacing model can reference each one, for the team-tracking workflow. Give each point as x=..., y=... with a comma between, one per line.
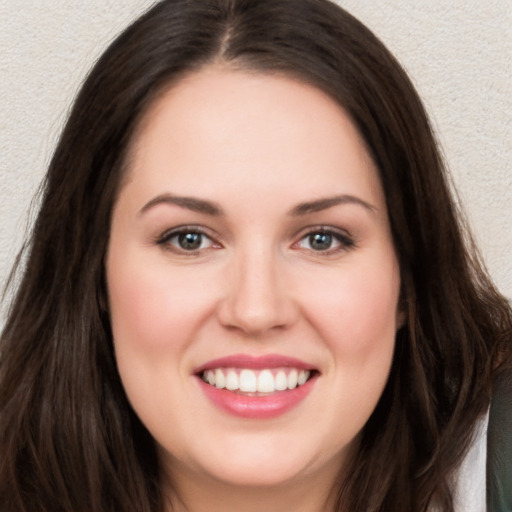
x=256, y=300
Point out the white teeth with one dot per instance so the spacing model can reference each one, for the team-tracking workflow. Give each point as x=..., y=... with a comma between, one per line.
x=248, y=381
x=220, y=380
x=252, y=381
x=292, y=379
x=210, y=377
x=281, y=381
x=232, y=380
x=266, y=382
x=303, y=377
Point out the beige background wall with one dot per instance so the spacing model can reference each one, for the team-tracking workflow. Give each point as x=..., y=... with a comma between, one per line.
x=459, y=53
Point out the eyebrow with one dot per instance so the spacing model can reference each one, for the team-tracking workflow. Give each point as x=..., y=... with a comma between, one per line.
x=190, y=203
x=211, y=208
x=328, y=202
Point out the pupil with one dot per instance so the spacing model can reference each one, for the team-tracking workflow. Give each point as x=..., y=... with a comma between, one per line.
x=320, y=241
x=190, y=241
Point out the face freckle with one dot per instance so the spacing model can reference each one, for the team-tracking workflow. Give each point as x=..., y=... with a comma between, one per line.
x=251, y=234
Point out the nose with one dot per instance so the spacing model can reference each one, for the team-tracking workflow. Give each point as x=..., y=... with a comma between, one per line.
x=257, y=299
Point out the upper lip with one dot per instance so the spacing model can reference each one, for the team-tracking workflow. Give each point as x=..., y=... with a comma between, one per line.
x=254, y=362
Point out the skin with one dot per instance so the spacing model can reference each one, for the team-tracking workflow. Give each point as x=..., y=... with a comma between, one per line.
x=256, y=146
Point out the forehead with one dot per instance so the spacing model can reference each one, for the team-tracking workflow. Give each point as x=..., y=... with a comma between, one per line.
x=266, y=127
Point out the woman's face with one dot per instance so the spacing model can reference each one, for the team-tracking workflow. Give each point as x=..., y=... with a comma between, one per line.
x=252, y=280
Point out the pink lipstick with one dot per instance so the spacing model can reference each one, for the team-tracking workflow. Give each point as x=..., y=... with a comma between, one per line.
x=256, y=387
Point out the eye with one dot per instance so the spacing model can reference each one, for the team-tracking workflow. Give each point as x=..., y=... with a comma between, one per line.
x=326, y=241
x=186, y=240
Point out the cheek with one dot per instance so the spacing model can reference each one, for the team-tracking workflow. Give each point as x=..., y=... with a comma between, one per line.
x=154, y=315
x=150, y=305
x=358, y=313
x=137, y=307
x=358, y=321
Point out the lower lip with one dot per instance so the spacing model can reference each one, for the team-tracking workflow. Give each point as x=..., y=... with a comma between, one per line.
x=257, y=407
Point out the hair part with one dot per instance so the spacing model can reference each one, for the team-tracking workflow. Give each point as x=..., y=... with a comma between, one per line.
x=68, y=437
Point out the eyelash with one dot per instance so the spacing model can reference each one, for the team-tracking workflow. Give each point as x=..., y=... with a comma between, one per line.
x=345, y=242
x=165, y=239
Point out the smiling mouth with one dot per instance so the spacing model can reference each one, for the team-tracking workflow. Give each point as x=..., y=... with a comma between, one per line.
x=256, y=382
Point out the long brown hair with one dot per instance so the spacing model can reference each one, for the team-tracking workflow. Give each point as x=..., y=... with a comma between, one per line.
x=69, y=440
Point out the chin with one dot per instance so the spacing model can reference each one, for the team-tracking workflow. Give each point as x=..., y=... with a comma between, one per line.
x=266, y=465
x=258, y=475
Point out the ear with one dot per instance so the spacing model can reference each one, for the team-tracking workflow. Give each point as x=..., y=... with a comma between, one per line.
x=401, y=309
x=401, y=317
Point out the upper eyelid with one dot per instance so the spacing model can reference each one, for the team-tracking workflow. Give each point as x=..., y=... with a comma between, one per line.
x=169, y=233
x=164, y=239
x=345, y=239
x=216, y=238
x=321, y=228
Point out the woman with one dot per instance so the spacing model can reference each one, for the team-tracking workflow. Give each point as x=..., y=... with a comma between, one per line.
x=247, y=287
